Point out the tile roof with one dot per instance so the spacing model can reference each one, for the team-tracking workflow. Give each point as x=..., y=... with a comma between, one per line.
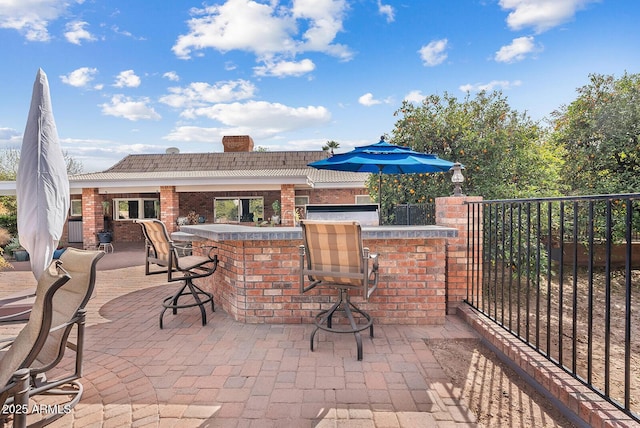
x=216, y=161
x=227, y=167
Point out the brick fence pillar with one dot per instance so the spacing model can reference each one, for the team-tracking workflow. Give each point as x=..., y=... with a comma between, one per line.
x=92, y=217
x=288, y=204
x=453, y=212
x=169, y=207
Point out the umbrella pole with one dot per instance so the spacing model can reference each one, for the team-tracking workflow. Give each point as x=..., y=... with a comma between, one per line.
x=380, y=197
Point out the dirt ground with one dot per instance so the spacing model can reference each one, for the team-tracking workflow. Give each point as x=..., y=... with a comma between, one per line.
x=493, y=391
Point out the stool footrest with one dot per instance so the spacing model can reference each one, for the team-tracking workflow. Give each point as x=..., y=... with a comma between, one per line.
x=200, y=299
x=324, y=321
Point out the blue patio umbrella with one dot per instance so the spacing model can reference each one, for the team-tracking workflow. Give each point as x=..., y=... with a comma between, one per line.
x=384, y=158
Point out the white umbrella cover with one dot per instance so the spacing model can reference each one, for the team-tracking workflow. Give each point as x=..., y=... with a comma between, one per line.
x=42, y=184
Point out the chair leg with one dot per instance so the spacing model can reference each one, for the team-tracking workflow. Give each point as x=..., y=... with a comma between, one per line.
x=200, y=297
x=324, y=321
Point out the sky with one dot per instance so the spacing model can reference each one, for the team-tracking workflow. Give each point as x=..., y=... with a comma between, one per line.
x=138, y=77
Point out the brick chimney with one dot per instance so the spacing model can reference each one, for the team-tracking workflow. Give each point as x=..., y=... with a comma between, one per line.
x=237, y=143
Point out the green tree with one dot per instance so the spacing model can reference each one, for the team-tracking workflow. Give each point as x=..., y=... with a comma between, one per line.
x=505, y=153
x=331, y=146
x=600, y=132
x=9, y=161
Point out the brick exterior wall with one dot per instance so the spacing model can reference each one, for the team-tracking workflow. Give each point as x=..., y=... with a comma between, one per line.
x=452, y=212
x=174, y=205
x=287, y=204
x=92, y=217
x=169, y=207
x=332, y=196
x=258, y=282
x=237, y=143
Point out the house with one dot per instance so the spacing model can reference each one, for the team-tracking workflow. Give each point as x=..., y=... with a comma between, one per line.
x=238, y=185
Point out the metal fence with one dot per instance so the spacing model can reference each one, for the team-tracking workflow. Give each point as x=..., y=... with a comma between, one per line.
x=563, y=275
x=414, y=214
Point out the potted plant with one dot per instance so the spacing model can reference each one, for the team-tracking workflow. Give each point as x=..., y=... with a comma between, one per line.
x=104, y=236
x=58, y=252
x=16, y=250
x=192, y=217
x=275, y=218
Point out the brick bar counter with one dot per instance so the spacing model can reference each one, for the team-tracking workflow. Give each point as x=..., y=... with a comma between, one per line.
x=257, y=280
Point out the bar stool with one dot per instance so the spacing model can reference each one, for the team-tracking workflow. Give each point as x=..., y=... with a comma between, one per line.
x=162, y=251
x=333, y=256
x=106, y=247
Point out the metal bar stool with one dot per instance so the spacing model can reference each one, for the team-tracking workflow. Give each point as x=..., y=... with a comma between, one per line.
x=333, y=256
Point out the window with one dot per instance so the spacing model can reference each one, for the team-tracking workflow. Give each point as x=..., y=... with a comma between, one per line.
x=363, y=199
x=129, y=209
x=301, y=203
x=76, y=208
x=236, y=209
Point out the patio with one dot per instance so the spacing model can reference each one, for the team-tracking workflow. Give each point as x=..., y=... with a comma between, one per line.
x=233, y=374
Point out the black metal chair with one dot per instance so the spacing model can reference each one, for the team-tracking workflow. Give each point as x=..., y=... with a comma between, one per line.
x=333, y=256
x=162, y=251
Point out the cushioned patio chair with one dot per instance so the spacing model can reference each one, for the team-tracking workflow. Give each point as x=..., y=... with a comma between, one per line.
x=61, y=296
x=162, y=251
x=17, y=306
x=333, y=256
x=14, y=398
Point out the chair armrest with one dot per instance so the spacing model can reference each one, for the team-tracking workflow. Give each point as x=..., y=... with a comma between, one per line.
x=6, y=342
x=209, y=253
x=14, y=318
x=374, y=258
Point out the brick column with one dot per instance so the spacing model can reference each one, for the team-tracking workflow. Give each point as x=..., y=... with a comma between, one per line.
x=92, y=217
x=169, y=207
x=288, y=204
x=453, y=212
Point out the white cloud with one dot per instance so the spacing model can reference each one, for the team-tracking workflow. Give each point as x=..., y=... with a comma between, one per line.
x=415, y=96
x=263, y=118
x=236, y=24
x=285, y=68
x=386, y=10
x=368, y=100
x=434, y=53
x=198, y=134
x=517, y=50
x=128, y=108
x=323, y=19
x=127, y=79
x=80, y=78
x=76, y=32
x=96, y=154
x=494, y=84
x=125, y=33
x=10, y=136
x=267, y=30
x=171, y=75
x=541, y=14
x=32, y=17
x=199, y=94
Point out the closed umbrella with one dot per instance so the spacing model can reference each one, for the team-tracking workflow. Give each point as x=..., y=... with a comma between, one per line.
x=42, y=185
x=384, y=158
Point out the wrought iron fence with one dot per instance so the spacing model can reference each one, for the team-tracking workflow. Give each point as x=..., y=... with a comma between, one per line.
x=414, y=214
x=563, y=275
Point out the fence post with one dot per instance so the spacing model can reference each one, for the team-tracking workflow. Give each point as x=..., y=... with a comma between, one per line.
x=462, y=270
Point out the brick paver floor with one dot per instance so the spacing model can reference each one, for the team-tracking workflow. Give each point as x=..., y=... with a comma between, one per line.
x=229, y=374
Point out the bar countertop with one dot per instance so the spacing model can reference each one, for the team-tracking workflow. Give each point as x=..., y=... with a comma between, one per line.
x=235, y=232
